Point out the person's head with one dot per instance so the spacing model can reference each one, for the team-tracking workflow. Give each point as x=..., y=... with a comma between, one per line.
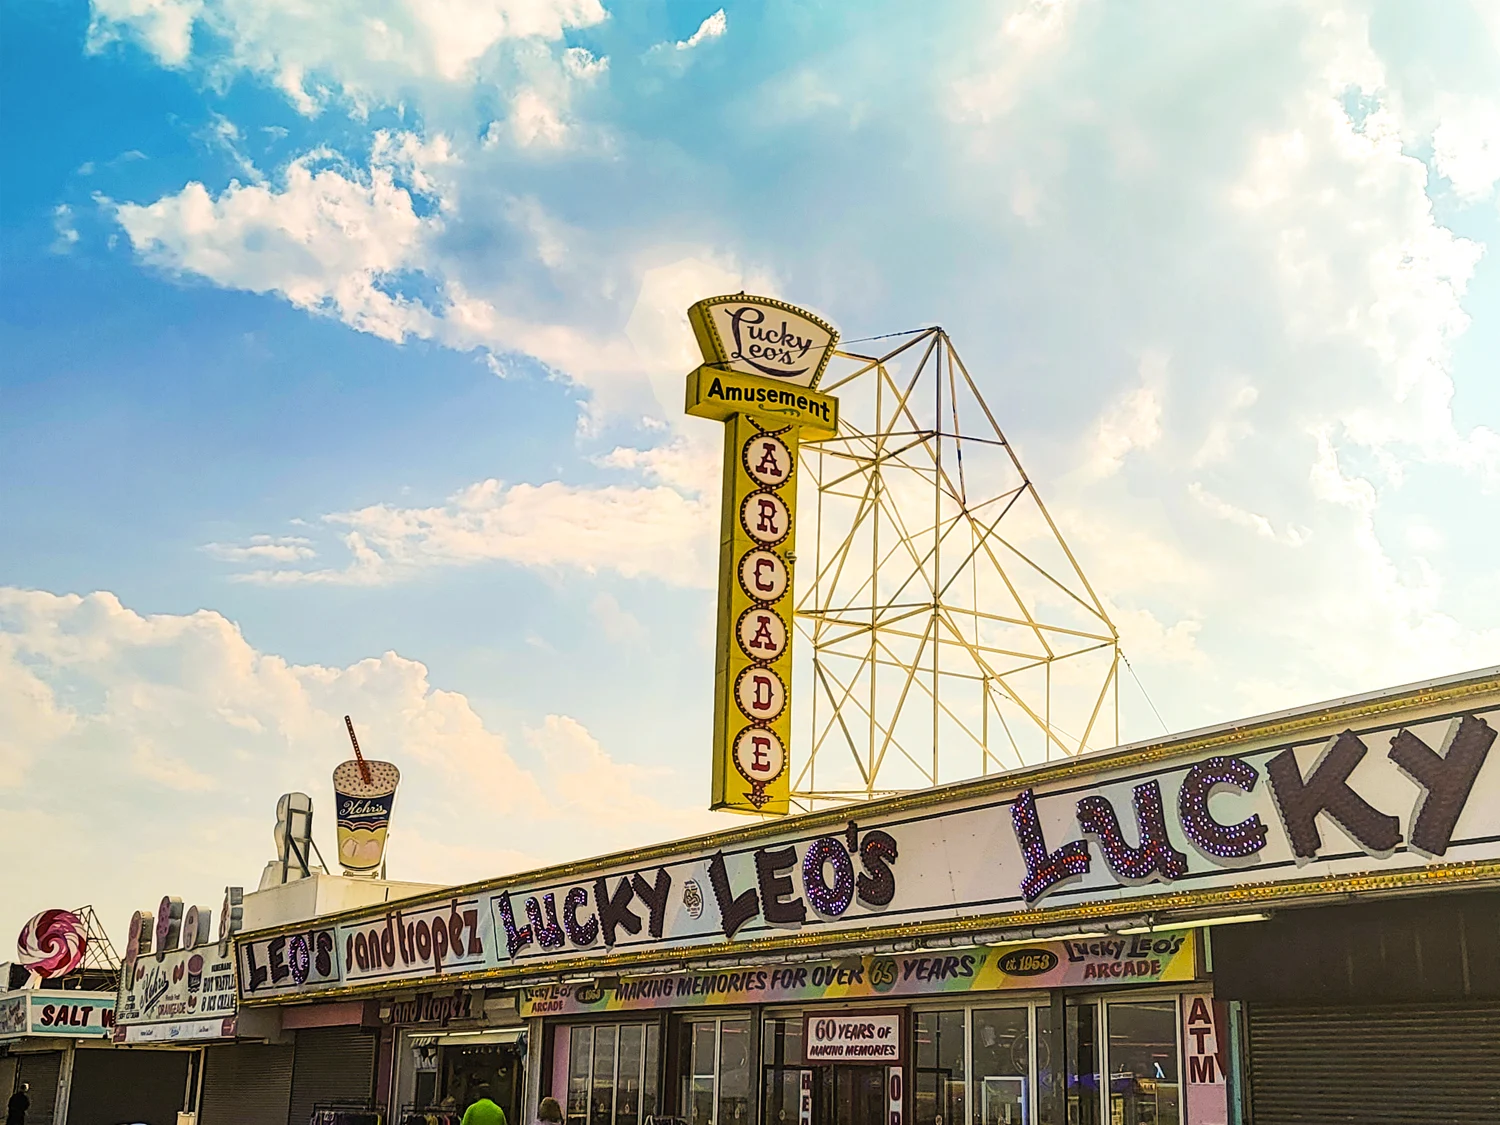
x=25, y=1087
x=550, y=1111
x=482, y=1090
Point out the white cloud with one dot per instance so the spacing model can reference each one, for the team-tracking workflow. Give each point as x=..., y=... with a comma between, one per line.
x=637, y=532
x=594, y=789
x=327, y=241
x=263, y=548
x=580, y=62
x=366, y=50
x=341, y=241
x=617, y=623
x=1466, y=149
x=1251, y=521
x=1017, y=53
x=163, y=27
x=711, y=28
x=536, y=121
x=175, y=726
x=66, y=233
x=1131, y=422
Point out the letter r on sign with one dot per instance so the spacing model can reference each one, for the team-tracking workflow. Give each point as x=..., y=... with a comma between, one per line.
x=767, y=517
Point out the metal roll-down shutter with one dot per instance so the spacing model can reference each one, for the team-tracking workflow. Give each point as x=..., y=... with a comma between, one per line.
x=1379, y=1065
x=246, y=1084
x=141, y=1084
x=331, y=1064
x=41, y=1072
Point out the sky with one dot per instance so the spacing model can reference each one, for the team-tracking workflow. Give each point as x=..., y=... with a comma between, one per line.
x=343, y=345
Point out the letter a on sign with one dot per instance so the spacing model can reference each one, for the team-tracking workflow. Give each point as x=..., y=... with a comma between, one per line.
x=772, y=356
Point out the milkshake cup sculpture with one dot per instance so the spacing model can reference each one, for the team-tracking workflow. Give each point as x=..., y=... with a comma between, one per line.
x=364, y=792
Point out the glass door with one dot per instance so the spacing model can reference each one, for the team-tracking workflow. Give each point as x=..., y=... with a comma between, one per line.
x=940, y=1076
x=1135, y=1043
x=797, y=1093
x=858, y=1095
x=1081, y=1031
x=716, y=1077
x=784, y=1081
x=976, y=1066
x=1144, y=1084
x=611, y=1074
x=1000, y=1050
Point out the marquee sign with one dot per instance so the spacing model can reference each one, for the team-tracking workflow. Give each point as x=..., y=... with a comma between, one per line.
x=64, y=1015
x=176, y=981
x=762, y=360
x=1376, y=795
x=763, y=338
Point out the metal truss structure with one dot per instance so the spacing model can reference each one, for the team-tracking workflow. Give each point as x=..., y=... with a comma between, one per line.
x=952, y=631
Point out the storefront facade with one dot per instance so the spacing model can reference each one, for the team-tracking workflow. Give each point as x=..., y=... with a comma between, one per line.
x=56, y=1041
x=1044, y=947
x=449, y=1044
x=975, y=1034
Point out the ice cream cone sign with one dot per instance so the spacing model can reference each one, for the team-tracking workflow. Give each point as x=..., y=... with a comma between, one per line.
x=363, y=791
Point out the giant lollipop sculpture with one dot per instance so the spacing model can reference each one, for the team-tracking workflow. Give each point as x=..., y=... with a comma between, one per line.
x=51, y=945
x=364, y=792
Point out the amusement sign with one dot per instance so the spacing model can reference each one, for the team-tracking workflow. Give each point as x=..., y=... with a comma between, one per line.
x=762, y=360
x=1379, y=795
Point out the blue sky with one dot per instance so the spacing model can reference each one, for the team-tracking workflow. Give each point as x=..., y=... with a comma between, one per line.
x=343, y=348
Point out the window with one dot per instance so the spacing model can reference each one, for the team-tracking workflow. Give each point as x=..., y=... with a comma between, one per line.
x=1081, y=1027
x=611, y=1073
x=781, y=1063
x=938, y=1095
x=1001, y=1057
x=716, y=1078
x=1144, y=1088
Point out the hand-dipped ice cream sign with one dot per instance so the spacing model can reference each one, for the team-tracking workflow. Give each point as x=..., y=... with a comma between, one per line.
x=761, y=361
x=1405, y=793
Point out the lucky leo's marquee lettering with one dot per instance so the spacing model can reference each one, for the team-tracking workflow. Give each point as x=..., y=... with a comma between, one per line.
x=611, y=910
x=977, y=856
x=763, y=337
x=1443, y=781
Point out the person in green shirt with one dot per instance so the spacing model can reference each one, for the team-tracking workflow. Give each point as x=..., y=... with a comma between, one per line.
x=483, y=1111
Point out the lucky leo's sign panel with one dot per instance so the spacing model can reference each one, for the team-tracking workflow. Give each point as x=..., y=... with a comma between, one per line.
x=1419, y=794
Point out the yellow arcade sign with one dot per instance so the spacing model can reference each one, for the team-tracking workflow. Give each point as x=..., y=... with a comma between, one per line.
x=762, y=361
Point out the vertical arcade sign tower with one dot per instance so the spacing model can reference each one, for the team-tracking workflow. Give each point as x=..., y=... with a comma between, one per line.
x=762, y=360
